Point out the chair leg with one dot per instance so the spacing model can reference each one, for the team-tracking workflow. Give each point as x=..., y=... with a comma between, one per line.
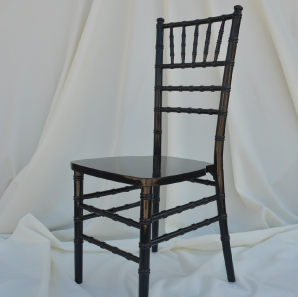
x=225, y=238
x=145, y=239
x=78, y=227
x=155, y=225
x=226, y=248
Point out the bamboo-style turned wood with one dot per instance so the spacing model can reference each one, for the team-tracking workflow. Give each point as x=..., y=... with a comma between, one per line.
x=172, y=45
x=195, y=65
x=112, y=210
x=183, y=44
x=181, y=231
x=219, y=144
x=124, y=207
x=78, y=226
x=157, y=124
x=200, y=22
x=113, y=216
x=110, y=248
x=150, y=189
x=189, y=110
x=110, y=192
x=195, y=44
x=203, y=181
x=219, y=39
x=145, y=239
x=158, y=83
x=178, y=209
x=193, y=88
x=207, y=42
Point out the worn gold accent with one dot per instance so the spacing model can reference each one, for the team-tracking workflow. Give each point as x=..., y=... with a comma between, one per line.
x=78, y=187
x=146, y=209
x=146, y=190
x=78, y=184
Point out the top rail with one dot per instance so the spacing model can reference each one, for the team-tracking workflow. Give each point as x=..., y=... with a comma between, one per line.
x=200, y=22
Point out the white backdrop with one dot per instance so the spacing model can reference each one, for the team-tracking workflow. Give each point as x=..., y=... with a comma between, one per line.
x=77, y=82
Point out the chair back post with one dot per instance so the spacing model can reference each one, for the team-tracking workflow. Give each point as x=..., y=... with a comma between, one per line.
x=157, y=122
x=158, y=92
x=224, y=100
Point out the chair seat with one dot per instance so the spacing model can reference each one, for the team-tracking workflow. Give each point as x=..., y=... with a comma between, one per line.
x=138, y=170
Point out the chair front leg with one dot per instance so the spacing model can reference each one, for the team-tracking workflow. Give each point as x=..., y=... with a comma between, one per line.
x=78, y=227
x=145, y=239
x=155, y=225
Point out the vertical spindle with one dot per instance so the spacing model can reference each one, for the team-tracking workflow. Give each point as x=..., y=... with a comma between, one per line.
x=207, y=42
x=195, y=43
x=219, y=39
x=172, y=45
x=183, y=45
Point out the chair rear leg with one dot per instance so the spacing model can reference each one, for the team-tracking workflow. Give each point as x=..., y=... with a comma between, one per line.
x=145, y=239
x=155, y=225
x=226, y=248
x=225, y=237
x=78, y=227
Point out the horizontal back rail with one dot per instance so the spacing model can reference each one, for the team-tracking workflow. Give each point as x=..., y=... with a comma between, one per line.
x=194, y=65
x=189, y=110
x=193, y=88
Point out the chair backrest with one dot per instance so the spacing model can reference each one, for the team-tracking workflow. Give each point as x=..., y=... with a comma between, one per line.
x=228, y=65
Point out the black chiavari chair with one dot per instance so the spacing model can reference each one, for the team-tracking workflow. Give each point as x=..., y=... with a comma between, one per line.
x=148, y=173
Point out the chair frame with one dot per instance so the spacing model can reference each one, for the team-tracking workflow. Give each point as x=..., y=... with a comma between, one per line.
x=150, y=188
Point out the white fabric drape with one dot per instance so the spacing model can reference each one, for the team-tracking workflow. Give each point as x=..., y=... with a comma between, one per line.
x=77, y=82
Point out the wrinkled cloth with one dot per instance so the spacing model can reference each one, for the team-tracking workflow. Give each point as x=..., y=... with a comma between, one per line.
x=36, y=263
